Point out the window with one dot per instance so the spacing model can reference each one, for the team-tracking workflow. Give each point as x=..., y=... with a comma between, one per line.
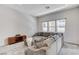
x=44, y=26
x=51, y=26
x=54, y=26
x=60, y=25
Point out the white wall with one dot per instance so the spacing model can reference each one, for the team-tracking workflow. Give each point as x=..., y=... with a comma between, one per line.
x=27, y=25
x=72, y=23
x=13, y=22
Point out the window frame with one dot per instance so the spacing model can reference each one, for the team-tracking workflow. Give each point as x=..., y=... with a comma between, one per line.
x=64, y=25
x=49, y=26
x=55, y=25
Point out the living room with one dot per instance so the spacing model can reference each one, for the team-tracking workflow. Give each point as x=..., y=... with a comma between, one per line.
x=23, y=23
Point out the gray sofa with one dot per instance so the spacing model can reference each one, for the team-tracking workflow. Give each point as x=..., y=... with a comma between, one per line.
x=46, y=34
x=54, y=44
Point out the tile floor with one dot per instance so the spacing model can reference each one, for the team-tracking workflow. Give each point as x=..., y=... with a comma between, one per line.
x=69, y=49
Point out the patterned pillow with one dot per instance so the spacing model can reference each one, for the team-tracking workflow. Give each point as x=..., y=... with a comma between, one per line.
x=55, y=37
x=38, y=41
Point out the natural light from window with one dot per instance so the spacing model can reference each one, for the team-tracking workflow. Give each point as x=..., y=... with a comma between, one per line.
x=60, y=26
x=51, y=26
x=44, y=26
x=54, y=26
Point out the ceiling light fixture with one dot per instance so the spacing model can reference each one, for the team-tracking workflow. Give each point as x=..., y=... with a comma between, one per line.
x=47, y=7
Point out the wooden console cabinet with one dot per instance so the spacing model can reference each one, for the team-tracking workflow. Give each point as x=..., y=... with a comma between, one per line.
x=16, y=39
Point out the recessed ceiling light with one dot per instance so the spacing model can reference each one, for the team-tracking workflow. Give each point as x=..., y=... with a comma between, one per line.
x=47, y=7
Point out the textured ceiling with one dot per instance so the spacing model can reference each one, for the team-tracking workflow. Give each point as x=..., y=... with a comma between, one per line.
x=40, y=9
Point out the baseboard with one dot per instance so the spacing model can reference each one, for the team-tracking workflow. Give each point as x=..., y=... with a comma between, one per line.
x=71, y=43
